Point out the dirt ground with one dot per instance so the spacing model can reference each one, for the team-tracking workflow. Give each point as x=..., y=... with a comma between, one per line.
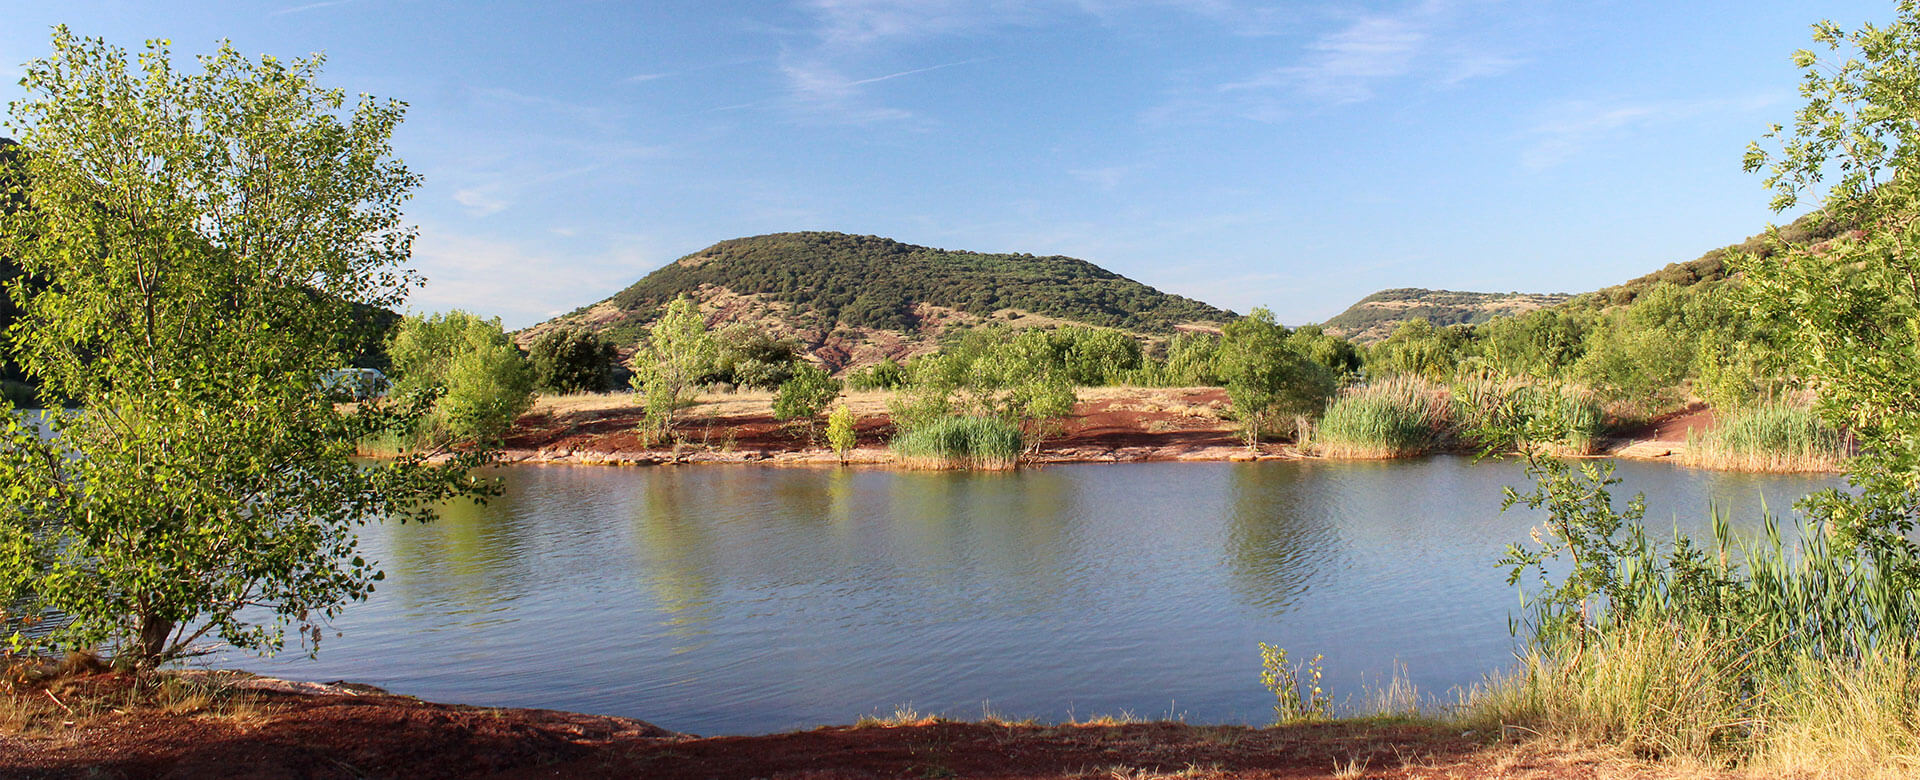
x=1108, y=425
x=271, y=729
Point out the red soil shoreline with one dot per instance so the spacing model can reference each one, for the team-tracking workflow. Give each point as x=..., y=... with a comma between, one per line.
x=1130, y=425
x=274, y=729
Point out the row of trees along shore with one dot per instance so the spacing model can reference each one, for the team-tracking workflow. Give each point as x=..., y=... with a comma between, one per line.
x=191, y=249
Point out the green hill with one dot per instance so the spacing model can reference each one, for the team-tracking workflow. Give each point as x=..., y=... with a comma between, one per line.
x=855, y=299
x=1375, y=316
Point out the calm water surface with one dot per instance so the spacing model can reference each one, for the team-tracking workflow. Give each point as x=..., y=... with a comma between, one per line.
x=720, y=600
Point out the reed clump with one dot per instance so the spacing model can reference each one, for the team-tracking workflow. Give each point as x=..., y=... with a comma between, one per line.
x=1391, y=418
x=1747, y=652
x=1777, y=437
x=957, y=442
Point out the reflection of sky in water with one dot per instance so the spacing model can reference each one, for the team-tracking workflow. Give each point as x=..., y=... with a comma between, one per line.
x=741, y=599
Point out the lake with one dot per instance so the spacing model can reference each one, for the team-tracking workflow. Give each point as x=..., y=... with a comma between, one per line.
x=741, y=599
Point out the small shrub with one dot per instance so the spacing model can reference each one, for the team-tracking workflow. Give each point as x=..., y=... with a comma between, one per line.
x=840, y=431
x=1295, y=699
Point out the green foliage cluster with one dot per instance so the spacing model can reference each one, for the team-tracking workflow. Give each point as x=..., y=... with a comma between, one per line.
x=482, y=380
x=1642, y=357
x=201, y=244
x=749, y=357
x=1022, y=378
x=1270, y=379
x=841, y=435
x=887, y=374
x=1406, y=415
x=873, y=282
x=668, y=365
x=1775, y=436
x=1298, y=696
x=805, y=395
x=566, y=360
x=1391, y=418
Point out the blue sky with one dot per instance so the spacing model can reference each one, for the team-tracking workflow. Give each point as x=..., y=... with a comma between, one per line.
x=1290, y=155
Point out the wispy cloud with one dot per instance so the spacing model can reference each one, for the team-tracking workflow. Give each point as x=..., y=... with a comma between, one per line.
x=488, y=187
x=1434, y=43
x=482, y=200
x=523, y=282
x=309, y=7
x=1106, y=178
x=1568, y=129
x=820, y=92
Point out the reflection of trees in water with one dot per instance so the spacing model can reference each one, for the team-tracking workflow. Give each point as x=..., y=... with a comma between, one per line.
x=1281, y=533
x=472, y=556
x=674, y=553
x=969, y=534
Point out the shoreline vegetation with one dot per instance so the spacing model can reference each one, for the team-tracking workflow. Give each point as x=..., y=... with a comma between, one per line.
x=1401, y=418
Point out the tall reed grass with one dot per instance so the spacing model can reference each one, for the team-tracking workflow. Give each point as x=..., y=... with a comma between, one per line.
x=1777, y=436
x=1390, y=418
x=1752, y=652
x=959, y=443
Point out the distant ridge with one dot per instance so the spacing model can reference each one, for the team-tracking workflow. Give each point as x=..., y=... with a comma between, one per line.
x=852, y=299
x=1374, y=317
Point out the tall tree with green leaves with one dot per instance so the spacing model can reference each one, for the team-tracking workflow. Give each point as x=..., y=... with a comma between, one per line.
x=1851, y=306
x=203, y=239
x=678, y=351
x=1269, y=379
x=566, y=360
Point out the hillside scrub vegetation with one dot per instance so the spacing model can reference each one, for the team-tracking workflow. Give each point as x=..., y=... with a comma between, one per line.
x=844, y=280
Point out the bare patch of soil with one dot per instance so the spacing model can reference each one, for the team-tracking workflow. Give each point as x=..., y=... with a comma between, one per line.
x=306, y=731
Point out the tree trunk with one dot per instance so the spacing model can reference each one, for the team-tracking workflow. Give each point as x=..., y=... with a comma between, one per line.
x=154, y=632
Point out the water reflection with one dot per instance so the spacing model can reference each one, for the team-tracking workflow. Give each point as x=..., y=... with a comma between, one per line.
x=1279, y=535
x=747, y=599
x=674, y=557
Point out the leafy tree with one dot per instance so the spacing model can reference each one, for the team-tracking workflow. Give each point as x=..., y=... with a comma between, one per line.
x=1339, y=355
x=1851, y=306
x=805, y=396
x=1192, y=360
x=483, y=381
x=840, y=430
x=203, y=240
x=572, y=361
x=885, y=375
x=678, y=351
x=1541, y=344
x=749, y=357
x=1420, y=349
x=1269, y=379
